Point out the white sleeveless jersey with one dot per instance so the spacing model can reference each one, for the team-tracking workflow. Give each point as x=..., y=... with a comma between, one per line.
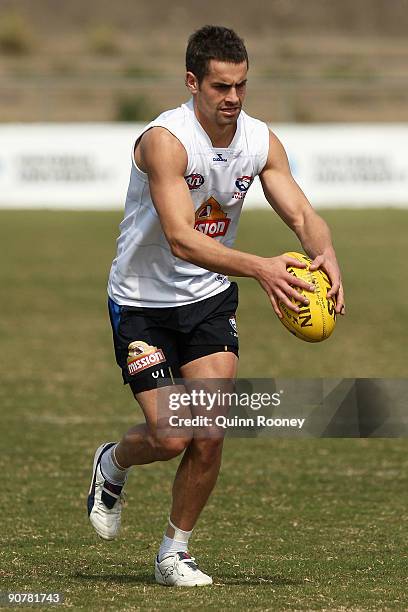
x=145, y=272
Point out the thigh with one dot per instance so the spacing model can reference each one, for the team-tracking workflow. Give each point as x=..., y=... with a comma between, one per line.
x=213, y=376
x=145, y=351
x=211, y=348
x=216, y=365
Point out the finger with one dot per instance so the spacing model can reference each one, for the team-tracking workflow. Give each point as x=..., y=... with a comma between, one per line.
x=334, y=289
x=341, y=309
x=291, y=261
x=299, y=297
x=299, y=282
x=340, y=305
x=275, y=306
x=282, y=297
x=316, y=263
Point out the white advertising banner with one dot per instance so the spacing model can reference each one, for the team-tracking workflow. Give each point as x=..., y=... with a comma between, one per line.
x=65, y=166
x=88, y=165
x=349, y=164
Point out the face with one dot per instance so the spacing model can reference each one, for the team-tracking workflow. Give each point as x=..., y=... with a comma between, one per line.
x=219, y=97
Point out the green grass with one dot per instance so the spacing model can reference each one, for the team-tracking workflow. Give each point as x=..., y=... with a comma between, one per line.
x=370, y=341
x=292, y=525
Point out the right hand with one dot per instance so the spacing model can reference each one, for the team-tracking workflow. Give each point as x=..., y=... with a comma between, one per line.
x=280, y=285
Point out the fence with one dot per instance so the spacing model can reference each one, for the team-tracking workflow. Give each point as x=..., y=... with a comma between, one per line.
x=32, y=98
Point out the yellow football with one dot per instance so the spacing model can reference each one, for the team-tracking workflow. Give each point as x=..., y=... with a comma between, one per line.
x=314, y=322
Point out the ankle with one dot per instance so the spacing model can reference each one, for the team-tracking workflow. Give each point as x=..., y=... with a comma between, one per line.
x=178, y=542
x=176, y=533
x=111, y=469
x=120, y=458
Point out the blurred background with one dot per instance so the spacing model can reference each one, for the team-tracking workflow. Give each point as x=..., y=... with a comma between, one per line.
x=319, y=60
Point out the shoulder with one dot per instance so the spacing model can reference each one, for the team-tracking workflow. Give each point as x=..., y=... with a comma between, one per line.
x=277, y=157
x=170, y=129
x=161, y=150
x=160, y=136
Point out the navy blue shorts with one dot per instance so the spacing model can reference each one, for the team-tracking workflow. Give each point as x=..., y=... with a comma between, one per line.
x=153, y=343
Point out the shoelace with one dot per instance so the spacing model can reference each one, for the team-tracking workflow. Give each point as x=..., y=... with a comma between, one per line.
x=189, y=561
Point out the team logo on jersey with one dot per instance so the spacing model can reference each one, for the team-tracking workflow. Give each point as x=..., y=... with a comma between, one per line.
x=220, y=278
x=194, y=181
x=233, y=323
x=142, y=356
x=243, y=182
x=210, y=219
x=220, y=158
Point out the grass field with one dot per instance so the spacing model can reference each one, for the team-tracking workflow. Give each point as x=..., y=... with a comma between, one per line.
x=292, y=525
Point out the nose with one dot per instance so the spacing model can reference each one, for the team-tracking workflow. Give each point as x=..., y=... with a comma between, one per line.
x=232, y=97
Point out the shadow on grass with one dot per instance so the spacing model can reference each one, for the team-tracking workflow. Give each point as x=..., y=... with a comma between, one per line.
x=143, y=578
x=244, y=579
x=147, y=578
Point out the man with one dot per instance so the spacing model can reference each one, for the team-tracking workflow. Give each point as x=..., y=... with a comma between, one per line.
x=171, y=304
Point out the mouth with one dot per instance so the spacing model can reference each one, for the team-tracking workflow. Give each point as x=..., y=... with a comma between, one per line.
x=230, y=112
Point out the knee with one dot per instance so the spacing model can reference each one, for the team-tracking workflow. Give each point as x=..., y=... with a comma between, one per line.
x=168, y=448
x=208, y=451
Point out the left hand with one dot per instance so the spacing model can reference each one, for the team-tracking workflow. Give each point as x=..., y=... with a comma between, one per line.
x=328, y=263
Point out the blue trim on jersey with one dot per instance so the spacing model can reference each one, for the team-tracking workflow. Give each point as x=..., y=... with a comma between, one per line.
x=114, y=310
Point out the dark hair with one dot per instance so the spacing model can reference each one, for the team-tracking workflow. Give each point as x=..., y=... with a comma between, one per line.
x=213, y=42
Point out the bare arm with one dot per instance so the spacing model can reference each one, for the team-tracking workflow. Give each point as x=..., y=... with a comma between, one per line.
x=164, y=159
x=289, y=201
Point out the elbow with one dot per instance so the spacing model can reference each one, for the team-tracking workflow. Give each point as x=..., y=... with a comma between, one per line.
x=178, y=246
x=298, y=226
x=182, y=240
x=177, y=250
x=299, y=221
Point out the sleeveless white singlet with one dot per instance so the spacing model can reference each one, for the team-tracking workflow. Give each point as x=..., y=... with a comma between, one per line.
x=145, y=272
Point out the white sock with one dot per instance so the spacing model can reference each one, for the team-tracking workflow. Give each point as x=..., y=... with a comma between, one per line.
x=178, y=543
x=110, y=469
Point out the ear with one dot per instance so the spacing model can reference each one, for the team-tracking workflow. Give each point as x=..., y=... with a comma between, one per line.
x=192, y=83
